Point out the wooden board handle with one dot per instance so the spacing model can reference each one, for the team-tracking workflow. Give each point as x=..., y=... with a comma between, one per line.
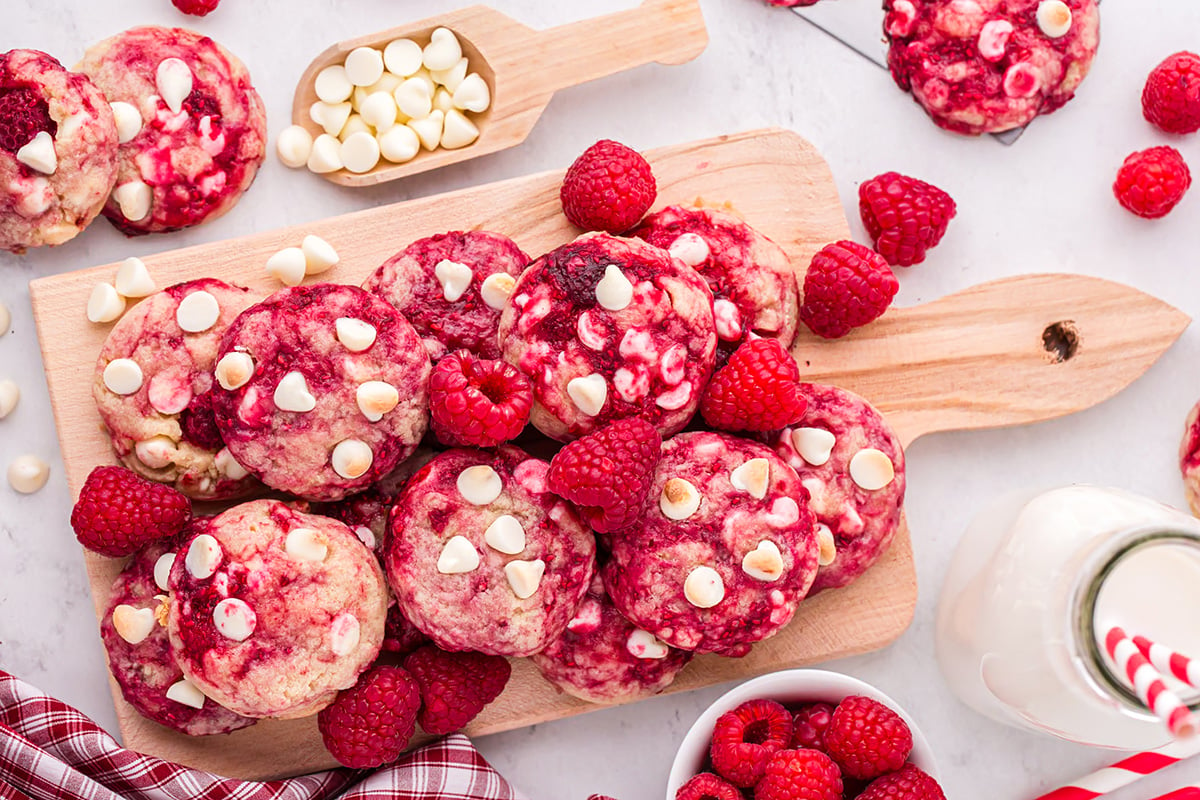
x=1008, y=352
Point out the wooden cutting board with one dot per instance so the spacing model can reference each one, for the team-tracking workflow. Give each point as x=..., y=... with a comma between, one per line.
x=976, y=359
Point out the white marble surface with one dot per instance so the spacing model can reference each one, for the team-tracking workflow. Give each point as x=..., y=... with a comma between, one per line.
x=1043, y=204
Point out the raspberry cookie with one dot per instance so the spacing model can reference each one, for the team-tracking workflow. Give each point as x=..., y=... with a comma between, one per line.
x=321, y=390
x=607, y=328
x=984, y=66
x=604, y=658
x=452, y=287
x=852, y=466
x=139, y=650
x=1189, y=459
x=58, y=151
x=274, y=611
x=751, y=279
x=192, y=129
x=153, y=388
x=727, y=550
x=483, y=557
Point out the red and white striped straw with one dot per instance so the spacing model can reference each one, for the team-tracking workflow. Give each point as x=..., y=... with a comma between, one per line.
x=1148, y=683
x=1168, y=662
x=1183, y=793
x=1126, y=771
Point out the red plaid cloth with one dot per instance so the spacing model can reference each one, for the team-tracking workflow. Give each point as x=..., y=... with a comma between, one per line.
x=50, y=751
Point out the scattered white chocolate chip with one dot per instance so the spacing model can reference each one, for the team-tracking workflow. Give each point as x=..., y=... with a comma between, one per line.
x=228, y=466
x=38, y=154
x=454, y=277
x=480, y=484
x=703, y=587
x=155, y=452
x=319, y=255
x=185, y=693
x=360, y=152
x=351, y=458
x=442, y=99
x=826, y=545
x=355, y=334
x=679, y=499
x=326, y=155
x=105, y=304
x=588, y=393
x=294, y=146
x=814, y=444
x=993, y=39
x=133, y=624
x=10, y=393
x=524, y=577
x=1054, y=18
x=235, y=619
x=429, y=129
x=134, y=199
x=443, y=50
x=128, y=119
x=332, y=84
x=292, y=394
x=306, y=544
x=364, y=66
x=133, y=279
x=376, y=398
x=173, y=79
x=752, y=477
x=379, y=111
x=505, y=535
x=344, y=634
x=614, y=291
x=452, y=77
x=288, y=266
x=198, y=312
x=871, y=469
x=28, y=473
x=162, y=571
x=203, y=557
x=5, y=319
x=457, y=130
x=472, y=94
x=414, y=98
x=123, y=376
x=399, y=144
x=764, y=563
x=643, y=644
x=234, y=370
x=402, y=57
x=458, y=556
x=691, y=249
x=497, y=288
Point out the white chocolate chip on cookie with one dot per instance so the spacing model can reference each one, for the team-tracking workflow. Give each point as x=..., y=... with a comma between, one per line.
x=133, y=624
x=185, y=693
x=1054, y=18
x=454, y=277
x=351, y=458
x=134, y=199
x=479, y=485
x=376, y=398
x=344, y=634
x=123, y=376
x=306, y=544
x=173, y=79
x=643, y=644
x=993, y=39
x=679, y=499
x=292, y=394
x=162, y=571
x=728, y=320
x=752, y=477
x=505, y=535
x=691, y=249
x=203, y=557
x=871, y=469
x=155, y=452
x=814, y=445
x=235, y=619
x=133, y=279
x=355, y=334
x=198, y=312
x=105, y=304
x=458, y=556
x=588, y=393
x=764, y=563
x=234, y=370
x=675, y=399
x=703, y=587
x=170, y=392
x=614, y=291
x=128, y=119
x=496, y=289
x=38, y=154
x=228, y=466
x=826, y=545
x=524, y=577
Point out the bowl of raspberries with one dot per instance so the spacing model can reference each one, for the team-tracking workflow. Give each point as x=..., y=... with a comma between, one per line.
x=804, y=733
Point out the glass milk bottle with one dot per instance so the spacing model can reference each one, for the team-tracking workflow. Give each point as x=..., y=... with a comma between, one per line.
x=1037, y=581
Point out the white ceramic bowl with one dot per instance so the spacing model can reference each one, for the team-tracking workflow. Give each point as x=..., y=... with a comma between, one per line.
x=789, y=686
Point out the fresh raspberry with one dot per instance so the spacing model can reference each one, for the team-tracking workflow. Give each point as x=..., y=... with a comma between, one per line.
x=707, y=786
x=800, y=775
x=1171, y=98
x=399, y=635
x=119, y=511
x=199, y=425
x=1151, y=182
x=904, y=216
x=455, y=687
x=478, y=402
x=369, y=724
x=758, y=390
x=847, y=285
x=607, y=474
x=197, y=8
x=608, y=188
x=809, y=726
x=867, y=739
x=23, y=115
x=743, y=740
x=910, y=783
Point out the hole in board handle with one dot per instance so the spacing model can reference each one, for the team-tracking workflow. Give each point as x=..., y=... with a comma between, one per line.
x=1060, y=340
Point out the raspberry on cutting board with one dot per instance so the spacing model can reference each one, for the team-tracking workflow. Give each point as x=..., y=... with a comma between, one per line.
x=1171, y=97
x=369, y=724
x=119, y=511
x=867, y=739
x=455, y=687
x=904, y=216
x=608, y=188
x=477, y=402
x=847, y=286
x=800, y=775
x=745, y=738
x=1152, y=182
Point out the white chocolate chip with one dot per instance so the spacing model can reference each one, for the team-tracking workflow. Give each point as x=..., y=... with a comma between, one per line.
x=234, y=370
x=814, y=445
x=326, y=155
x=105, y=304
x=414, y=98
x=123, y=376
x=128, y=119
x=185, y=693
x=319, y=255
x=162, y=571
x=454, y=277
x=38, y=154
x=332, y=85
x=10, y=393
x=5, y=319
x=452, y=77
x=752, y=477
x=294, y=146
x=306, y=544
x=993, y=39
x=376, y=398
x=643, y=644
x=472, y=94
x=198, y=312
x=364, y=66
x=442, y=99
x=360, y=152
x=1054, y=18
x=764, y=563
x=344, y=634
x=497, y=288
x=133, y=624
x=524, y=577
x=429, y=129
x=679, y=499
x=443, y=50
x=228, y=466
x=292, y=394
x=155, y=452
x=355, y=334
x=826, y=545
x=703, y=587
x=173, y=79
x=676, y=398
x=351, y=458
x=505, y=535
x=614, y=291
x=134, y=199
x=457, y=130
x=871, y=469
x=288, y=266
x=728, y=319
x=784, y=512
x=28, y=473
x=133, y=279
x=379, y=111
x=203, y=557
x=399, y=144
x=588, y=393
x=480, y=484
x=402, y=57
x=356, y=124
x=235, y=619
x=691, y=249
x=1021, y=80
x=900, y=21
x=458, y=556
x=170, y=392
x=365, y=535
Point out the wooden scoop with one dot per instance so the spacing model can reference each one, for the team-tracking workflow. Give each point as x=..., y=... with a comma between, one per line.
x=523, y=68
